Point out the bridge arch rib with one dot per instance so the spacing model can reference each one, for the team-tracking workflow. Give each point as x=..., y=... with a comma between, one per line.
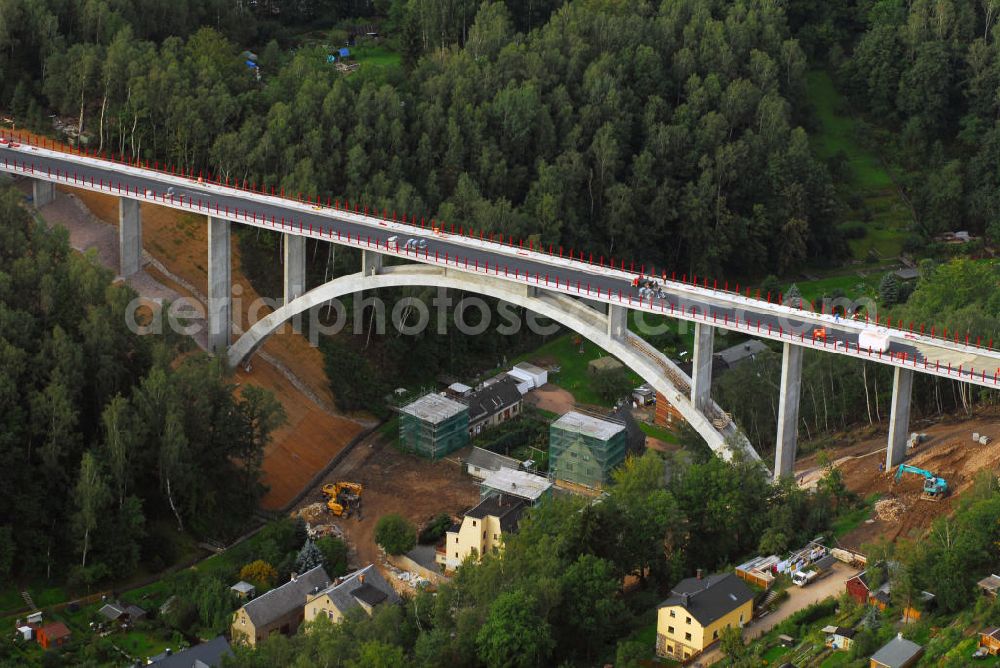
x=721, y=434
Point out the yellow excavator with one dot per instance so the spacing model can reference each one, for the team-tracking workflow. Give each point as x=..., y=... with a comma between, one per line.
x=342, y=497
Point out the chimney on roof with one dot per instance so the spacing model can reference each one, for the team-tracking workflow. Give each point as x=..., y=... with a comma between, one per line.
x=698, y=574
x=361, y=579
x=686, y=597
x=899, y=635
x=294, y=577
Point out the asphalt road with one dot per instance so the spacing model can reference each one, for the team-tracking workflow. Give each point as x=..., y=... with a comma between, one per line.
x=579, y=277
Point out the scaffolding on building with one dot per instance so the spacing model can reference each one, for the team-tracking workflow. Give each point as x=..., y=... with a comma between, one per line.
x=584, y=449
x=434, y=426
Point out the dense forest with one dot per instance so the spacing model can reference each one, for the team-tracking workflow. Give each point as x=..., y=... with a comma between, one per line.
x=667, y=134
x=555, y=597
x=109, y=443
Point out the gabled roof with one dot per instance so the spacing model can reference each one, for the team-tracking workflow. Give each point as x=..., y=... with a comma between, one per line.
x=243, y=587
x=362, y=586
x=741, y=351
x=508, y=509
x=204, y=654
x=709, y=598
x=111, y=611
x=825, y=563
x=484, y=459
x=492, y=399
x=517, y=483
x=55, y=630
x=897, y=652
x=281, y=600
x=993, y=632
x=990, y=582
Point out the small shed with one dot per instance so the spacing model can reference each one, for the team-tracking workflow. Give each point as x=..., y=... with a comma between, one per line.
x=52, y=635
x=644, y=395
x=759, y=570
x=990, y=585
x=839, y=637
x=26, y=632
x=244, y=590
x=35, y=618
x=897, y=653
x=527, y=372
x=990, y=639
x=604, y=365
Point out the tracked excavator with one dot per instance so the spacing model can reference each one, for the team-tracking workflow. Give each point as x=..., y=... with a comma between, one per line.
x=343, y=498
x=935, y=488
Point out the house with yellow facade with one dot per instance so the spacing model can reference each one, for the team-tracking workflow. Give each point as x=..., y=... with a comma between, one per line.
x=698, y=610
x=280, y=610
x=364, y=589
x=481, y=530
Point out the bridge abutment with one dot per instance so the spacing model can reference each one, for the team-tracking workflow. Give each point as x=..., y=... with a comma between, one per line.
x=129, y=236
x=701, y=365
x=899, y=421
x=295, y=266
x=220, y=316
x=42, y=192
x=788, y=410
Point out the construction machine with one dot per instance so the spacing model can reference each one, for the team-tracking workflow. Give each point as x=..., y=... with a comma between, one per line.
x=935, y=488
x=342, y=497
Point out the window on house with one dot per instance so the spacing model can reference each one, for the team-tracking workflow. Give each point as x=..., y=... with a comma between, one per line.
x=687, y=621
x=715, y=635
x=456, y=555
x=687, y=636
x=473, y=522
x=670, y=630
x=484, y=535
x=673, y=614
x=741, y=618
x=496, y=537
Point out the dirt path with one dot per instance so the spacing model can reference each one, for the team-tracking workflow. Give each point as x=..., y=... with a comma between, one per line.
x=551, y=398
x=314, y=433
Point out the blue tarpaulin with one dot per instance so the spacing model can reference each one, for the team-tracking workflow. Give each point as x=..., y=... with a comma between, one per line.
x=250, y=63
x=344, y=53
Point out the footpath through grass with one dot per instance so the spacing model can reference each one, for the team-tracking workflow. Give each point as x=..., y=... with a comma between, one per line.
x=869, y=189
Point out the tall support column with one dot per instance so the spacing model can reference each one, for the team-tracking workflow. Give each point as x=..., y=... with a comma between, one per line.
x=899, y=421
x=701, y=365
x=371, y=262
x=42, y=192
x=295, y=266
x=129, y=236
x=220, y=316
x=617, y=322
x=788, y=410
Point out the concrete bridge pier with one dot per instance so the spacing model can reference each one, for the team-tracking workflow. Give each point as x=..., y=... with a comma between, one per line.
x=701, y=365
x=617, y=322
x=899, y=421
x=129, y=236
x=788, y=410
x=295, y=266
x=371, y=262
x=220, y=307
x=42, y=192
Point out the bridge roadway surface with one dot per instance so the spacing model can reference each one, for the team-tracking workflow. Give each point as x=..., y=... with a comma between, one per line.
x=596, y=282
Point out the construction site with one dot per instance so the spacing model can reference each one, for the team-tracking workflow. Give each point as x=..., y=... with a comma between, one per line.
x=901, y=507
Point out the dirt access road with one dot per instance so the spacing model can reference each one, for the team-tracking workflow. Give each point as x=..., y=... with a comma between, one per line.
x=948, y=452
x=175, y=246
x=395, y=482
x=798, y=598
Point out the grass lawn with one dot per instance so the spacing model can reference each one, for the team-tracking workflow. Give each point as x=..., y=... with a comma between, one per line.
x=658, y=432
x=836, y=134
x=850, y=521
x=140, y=645
x=836, y=659
x=377, y=55
x=885, y=213
x=573, y=375
x=775, y=653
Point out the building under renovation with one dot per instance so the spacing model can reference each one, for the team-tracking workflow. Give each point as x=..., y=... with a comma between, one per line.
x=434, y=425
x=583, y=449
